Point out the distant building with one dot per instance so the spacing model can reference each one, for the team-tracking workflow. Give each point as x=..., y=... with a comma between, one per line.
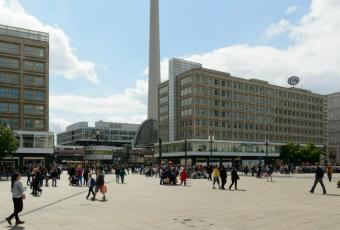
x=334, y=127
x=24, y=96
x=104, y=133
x=99, y=143
x=247, y=118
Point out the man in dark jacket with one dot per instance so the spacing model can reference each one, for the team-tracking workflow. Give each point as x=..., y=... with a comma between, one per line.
x=223, y=175
x=318, y=179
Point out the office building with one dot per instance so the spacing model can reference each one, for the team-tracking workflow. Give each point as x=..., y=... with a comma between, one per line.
x=24, y=84
x=246, y=118
x=334, y=128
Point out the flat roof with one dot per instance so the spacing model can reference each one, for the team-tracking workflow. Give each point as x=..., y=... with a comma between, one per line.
x=24, y=33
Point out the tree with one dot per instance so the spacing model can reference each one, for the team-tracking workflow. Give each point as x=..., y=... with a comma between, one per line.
x=289, y=153
x=8, y=142
x=295, y=154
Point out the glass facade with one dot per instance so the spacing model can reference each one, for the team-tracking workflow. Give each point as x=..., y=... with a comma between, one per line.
x=33, y=95
x=9, y=48
x=9, y=78
x=9, y=92
x=34, y=51
x=9, y=63
x=9, y=107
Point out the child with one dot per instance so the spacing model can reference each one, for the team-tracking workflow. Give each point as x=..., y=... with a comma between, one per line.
x=91, y=183
x=184, y=177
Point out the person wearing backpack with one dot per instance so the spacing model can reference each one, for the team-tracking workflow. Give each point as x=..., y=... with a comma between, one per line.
x=319, y=173
x=91, y=184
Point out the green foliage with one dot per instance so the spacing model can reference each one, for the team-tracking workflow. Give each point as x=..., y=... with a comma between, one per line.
x=8, y=142
x=295, y=154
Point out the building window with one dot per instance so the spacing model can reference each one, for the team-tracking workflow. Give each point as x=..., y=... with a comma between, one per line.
x=186, y=91
x=9, y=48
x=9, y=92
x=34, y=51
x=28, y=124
x=186, y=80
x=9, y=63
x=9, y=108
x=12, y=123
x=34, y=66
x=31, y=80
x=33, y=95
x=9, y=78
x=39, y=124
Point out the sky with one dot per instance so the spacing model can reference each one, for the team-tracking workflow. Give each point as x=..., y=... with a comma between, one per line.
x=99, y=49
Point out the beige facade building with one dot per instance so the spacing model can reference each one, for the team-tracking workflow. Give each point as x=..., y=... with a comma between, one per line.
x=334, y=127
x=244, y=116
x=24, y=75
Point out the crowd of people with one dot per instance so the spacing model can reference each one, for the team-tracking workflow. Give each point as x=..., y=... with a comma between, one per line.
x=94, y=178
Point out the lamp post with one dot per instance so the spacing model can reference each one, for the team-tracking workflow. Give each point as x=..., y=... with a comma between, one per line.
x=185, y=153
x=266, y=143
x=160, y=153
x=211, y=140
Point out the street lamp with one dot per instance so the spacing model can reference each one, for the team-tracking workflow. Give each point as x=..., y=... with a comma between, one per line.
x=160, y=153
x=266, y=143
x=211, y=140
x=185, y=152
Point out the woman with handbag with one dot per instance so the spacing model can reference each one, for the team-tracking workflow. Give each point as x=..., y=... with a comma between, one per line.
x=18, y=195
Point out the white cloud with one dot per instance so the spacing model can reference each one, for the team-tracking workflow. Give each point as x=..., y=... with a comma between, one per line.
x=63, y=60
x=130, y=106
x=313, y=55
x=276, y=29
x=292, y=9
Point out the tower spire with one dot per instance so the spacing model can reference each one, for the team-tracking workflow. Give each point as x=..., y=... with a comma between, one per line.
x=154, y=61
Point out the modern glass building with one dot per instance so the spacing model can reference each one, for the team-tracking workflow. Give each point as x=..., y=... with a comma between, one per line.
x=247, y=118
x=24, y=75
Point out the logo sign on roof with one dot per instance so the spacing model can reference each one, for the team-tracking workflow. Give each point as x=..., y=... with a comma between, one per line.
x=293, y=80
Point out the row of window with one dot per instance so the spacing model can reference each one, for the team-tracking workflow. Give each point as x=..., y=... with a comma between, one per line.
x=242, y=136
x=13, y=63
x=163, y=90
x=256, y=89
x=29, y=80
x=13, y=93
x=249, y=126
x=163, y=100
x=11, y=48
x=34, y=124
x=28, y=109
x=11, y=122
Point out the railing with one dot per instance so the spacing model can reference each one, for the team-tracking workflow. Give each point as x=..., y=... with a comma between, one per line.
x=24, y=33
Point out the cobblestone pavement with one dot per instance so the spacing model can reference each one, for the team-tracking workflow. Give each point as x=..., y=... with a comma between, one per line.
x=142, y=203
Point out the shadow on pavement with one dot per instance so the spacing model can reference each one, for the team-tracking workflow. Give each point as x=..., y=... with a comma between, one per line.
x=16, y=227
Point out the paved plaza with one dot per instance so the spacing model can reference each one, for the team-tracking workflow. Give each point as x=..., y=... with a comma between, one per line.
x=142, y=203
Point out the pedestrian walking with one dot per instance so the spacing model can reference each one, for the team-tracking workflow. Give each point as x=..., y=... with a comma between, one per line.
x=122, y=174
x=54, y=175
x=117, y=172
x=183, y=177
x=329, y=172
x=216, y=177
x=270, y=171
x=91, y=184
x=223, y=175
x=80, y=176
x=99, y=184
x=319, y=173
x=234, y=178
x=28, y=174
x=18, y=195
x=86, y=176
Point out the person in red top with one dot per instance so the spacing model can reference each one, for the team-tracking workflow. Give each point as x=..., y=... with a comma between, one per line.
x=80, y=176
x=184, y=177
